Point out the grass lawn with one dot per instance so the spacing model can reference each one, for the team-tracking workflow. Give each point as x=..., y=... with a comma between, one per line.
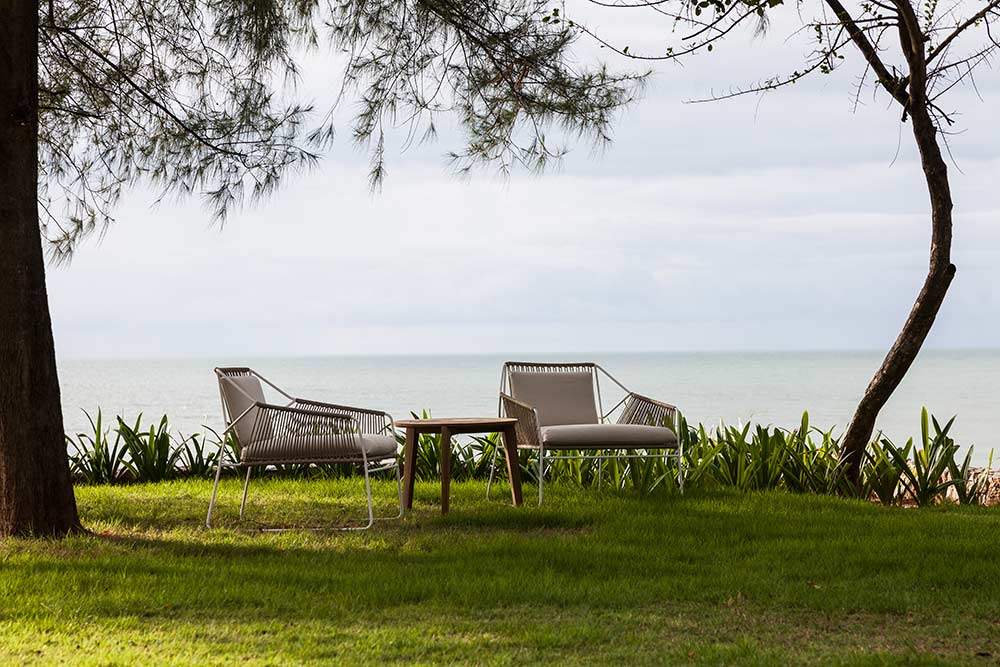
x=591, y=578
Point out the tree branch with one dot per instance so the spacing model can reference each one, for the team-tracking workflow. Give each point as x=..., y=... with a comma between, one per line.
x=890, y=82
x=912, y=42
x=978, y=16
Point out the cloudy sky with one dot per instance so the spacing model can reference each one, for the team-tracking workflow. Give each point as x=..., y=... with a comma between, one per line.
x=791, y=221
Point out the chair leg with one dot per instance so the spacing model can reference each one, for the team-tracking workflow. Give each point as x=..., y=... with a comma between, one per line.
x=399, y=494
x=246, y=485
x=680, y=468
x=399, y=490
x=371, y=506
x=215, y=489
x=493, y=471
x=541, y=474
x=368, y=493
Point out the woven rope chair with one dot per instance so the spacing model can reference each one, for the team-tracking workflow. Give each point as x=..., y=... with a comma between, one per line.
x=559, y=409
x=301, y=432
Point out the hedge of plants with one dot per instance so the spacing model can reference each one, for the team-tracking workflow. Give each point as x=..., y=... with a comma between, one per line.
x=806, y=459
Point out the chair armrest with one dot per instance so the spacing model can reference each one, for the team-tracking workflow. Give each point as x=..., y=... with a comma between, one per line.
x=528, y=434
x=372, y=422
x=645, y=411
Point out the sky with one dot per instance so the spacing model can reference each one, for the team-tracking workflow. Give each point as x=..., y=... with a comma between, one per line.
x=792, y=221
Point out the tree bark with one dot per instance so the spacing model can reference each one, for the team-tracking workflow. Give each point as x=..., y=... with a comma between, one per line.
x=36, y=492
x=940, y=271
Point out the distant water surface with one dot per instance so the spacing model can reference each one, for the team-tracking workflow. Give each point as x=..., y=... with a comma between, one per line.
x=773, y=387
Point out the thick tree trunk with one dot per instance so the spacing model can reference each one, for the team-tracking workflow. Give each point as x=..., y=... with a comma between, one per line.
x=36, y=493
x=918, y=324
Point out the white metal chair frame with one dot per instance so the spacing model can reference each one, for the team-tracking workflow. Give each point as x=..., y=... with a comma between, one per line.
x=636, y=409
x=336, y=425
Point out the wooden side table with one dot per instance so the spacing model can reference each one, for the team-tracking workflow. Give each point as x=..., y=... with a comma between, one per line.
x=448, y=428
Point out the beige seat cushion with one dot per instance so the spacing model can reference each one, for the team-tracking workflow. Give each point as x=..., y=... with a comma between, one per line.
x=317, y=448
x=559, y=398
x=241, y=392
x=608, y=436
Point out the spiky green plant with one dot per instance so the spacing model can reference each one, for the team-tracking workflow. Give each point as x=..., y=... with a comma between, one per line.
x=815, y=467
x=96, y=459
x=969, y=491
x=196, y=455
x=151, y=457
x=924, y=481
x=884, y=469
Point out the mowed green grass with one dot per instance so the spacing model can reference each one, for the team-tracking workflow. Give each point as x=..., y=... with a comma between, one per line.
x=590, y=578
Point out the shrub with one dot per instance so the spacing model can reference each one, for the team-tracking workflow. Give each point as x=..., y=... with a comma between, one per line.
x=95, y=460
x=747, y=457
x=884, y=468
x=924, y=480
x=151, y=458
x=196, y=456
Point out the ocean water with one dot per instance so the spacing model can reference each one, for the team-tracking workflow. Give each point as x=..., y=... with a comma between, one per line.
x=772, y=387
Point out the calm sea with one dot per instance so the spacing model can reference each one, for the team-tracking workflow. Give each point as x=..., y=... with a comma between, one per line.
x=771, y=388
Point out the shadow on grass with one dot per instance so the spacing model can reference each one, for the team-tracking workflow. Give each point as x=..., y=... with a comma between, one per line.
x=307, y=505
x=604, y=550
x=653, y=569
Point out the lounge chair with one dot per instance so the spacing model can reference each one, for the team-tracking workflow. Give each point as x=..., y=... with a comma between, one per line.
x=301, y=432
x=558, y=409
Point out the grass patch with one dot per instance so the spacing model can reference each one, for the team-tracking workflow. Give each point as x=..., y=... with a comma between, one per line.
x=591, y=578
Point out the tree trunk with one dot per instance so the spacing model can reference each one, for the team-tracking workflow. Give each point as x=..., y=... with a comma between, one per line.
x=925, y=310
x=36, y=493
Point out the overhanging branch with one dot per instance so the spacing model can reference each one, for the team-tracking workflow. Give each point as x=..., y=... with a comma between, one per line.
x=975, y=18
x=894, y=85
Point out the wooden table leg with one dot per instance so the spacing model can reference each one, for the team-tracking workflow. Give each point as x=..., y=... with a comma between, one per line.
x=513, y=466
x=409, y=467
x=445, y=467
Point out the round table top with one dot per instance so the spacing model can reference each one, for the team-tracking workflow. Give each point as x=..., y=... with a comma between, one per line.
x=485, y=422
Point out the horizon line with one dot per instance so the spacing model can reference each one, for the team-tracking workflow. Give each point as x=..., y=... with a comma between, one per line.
x=521, y=354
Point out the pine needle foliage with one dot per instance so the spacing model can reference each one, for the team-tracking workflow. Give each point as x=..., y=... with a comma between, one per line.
x=179, y=95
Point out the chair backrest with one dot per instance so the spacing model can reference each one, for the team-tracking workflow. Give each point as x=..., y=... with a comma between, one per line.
x=240, y=390
x=561, y=394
